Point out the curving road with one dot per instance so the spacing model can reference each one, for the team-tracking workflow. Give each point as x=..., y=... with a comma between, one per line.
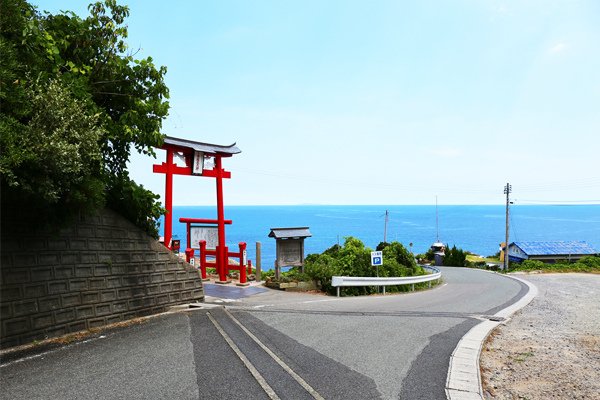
x=276, y=345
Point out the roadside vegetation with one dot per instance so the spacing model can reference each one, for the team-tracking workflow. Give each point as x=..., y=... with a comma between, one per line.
x=586, y=264
x=474, y=258
x=353, y=258
x=75, y=103
x=456, y=257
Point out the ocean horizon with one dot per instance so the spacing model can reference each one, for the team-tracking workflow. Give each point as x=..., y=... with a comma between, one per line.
x=476, y=228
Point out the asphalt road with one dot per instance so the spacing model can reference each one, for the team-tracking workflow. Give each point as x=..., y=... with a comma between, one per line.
x=275, y=345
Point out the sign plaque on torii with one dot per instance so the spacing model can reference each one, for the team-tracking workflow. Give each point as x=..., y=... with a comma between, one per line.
x=196, y=156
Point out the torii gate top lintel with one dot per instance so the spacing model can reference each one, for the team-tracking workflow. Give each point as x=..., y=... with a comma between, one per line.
x=189, y=146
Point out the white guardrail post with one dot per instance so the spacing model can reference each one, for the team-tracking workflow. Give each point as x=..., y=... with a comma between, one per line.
x=339, y=281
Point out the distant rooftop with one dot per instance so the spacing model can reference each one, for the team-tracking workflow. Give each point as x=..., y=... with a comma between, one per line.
x=287, y=233
x=204, y=147
x=555, y=248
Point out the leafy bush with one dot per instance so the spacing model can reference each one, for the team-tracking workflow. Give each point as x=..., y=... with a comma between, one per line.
x=478, y=264
x=291, y=275
x=429, y=256
x=585, y=264
x=532, y=265
x=56, y=157
x=590, y=261
x=135, y=203
x=354, y=259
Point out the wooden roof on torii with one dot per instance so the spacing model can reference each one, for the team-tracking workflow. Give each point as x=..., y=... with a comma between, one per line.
x=184, y=145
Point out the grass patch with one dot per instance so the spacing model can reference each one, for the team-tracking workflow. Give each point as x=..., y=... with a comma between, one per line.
x=475, y=258
x=523, y=356
x=590, y=264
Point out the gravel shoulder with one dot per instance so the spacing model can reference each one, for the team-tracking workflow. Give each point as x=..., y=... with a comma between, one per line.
x=551, y=348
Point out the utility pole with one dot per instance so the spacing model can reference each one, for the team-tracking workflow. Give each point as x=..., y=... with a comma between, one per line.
x=507, y=190
x=385, y=227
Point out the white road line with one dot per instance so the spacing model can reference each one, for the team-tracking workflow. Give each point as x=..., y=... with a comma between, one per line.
x=55, y=350
x=317, y=301
x=283, y=365
x=259, y=378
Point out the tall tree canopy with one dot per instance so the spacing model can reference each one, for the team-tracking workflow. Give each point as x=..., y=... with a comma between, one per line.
x=73, y=103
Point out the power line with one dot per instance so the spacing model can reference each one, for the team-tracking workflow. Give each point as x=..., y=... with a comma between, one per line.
x=593, y=182
x=558, y=201
x=513, y=225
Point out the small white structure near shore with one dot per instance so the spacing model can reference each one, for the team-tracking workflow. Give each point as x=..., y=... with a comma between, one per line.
x=439, y=251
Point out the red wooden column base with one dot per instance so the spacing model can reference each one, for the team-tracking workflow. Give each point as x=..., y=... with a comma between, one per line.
x=243, y=278
x=222, y=258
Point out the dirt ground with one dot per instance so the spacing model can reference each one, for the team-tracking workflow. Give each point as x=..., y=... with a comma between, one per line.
x=551, y=348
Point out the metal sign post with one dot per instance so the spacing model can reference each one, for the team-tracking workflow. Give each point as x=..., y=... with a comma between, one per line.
x=376, y=261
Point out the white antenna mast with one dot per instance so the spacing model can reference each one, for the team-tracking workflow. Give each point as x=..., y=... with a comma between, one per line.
x=437, y=226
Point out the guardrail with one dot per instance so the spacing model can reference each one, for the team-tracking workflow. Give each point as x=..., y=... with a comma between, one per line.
x=339, y=281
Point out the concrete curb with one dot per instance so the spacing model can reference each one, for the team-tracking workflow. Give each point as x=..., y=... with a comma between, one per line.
x=464, y=378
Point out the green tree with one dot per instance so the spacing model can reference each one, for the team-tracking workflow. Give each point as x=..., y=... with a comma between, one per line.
x=455, y=257
x=71, y=66
x=57, y=156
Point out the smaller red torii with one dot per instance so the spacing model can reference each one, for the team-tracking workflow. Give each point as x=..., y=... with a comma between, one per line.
x=194, y=155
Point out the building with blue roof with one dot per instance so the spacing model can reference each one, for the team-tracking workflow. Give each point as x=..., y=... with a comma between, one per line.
x=549, y=251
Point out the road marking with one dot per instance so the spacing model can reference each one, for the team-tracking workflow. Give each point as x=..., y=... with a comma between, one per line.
x=317, y=301
x=259, y=378
x=45, y=353
x=283, y=365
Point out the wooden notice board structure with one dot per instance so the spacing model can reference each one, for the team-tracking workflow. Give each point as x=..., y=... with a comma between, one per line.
x=200, y=159
x=290, y=247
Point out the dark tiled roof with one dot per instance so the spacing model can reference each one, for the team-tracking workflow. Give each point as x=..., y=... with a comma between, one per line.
x=284, y=233
x=204, y=147
x=555, y=248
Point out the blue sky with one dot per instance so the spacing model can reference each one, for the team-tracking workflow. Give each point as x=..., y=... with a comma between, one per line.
x=379, y=102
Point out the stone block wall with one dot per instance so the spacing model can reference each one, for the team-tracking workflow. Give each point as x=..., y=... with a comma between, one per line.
x=100, y=270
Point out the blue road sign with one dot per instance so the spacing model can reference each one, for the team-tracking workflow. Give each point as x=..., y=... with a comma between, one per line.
x=376, y=258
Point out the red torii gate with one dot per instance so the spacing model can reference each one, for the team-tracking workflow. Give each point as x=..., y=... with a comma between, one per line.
x=194, y=155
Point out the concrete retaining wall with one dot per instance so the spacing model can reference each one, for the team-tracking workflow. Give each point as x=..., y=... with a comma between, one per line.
x=100, y=270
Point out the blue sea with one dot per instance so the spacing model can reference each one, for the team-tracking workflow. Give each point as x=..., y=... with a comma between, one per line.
x=479, y=229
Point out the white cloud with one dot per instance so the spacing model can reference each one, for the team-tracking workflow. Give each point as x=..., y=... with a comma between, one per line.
x=558, y=48
x=446, y=152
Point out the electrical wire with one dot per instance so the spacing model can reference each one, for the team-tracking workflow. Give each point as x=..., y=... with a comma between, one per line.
x=560, y=201
x=513, y=226
x=536, y=187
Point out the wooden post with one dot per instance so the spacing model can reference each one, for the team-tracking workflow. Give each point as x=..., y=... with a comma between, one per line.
x=258, y=261
x=169, y=199
x=302, y=255
x=203, y=260
x=243, y=280
x=222, y=251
